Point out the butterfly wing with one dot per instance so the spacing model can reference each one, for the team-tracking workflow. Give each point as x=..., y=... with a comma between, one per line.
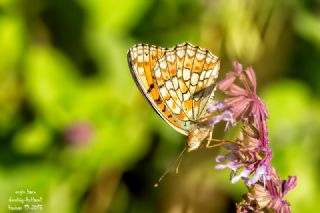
x=177, y=81
x=185, y=76
x=141, y=60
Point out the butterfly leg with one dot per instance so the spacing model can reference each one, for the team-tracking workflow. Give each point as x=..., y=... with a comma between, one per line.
x=217, y=141
x=216, y=144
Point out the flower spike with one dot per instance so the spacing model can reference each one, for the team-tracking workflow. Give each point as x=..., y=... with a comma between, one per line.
x=249, y=156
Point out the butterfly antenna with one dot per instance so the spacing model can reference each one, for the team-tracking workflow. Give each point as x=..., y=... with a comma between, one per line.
x=177, y=162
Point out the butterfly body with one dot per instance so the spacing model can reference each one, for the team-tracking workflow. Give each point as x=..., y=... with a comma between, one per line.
x=178, y=82
x=196, y=137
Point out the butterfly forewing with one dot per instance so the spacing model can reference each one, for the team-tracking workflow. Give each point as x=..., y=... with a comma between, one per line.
x=178, y=82
x=142, y=59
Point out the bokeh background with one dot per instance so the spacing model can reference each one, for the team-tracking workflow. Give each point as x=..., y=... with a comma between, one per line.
x=75, y=129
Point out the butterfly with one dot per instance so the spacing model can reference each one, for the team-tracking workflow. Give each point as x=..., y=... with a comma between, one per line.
x=179, y=83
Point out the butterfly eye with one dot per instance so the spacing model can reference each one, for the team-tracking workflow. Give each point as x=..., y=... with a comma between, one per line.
x=193, y=145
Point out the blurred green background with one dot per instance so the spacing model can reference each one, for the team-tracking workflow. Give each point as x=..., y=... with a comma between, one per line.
x=75, y=129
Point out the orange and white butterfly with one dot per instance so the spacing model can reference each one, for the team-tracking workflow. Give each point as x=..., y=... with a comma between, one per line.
x=178, y=82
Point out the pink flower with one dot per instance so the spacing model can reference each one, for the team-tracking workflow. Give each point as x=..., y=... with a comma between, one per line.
x=268, y=197
x=249, y=156
x=243, y=99
x=246, y=152
x=218, y=112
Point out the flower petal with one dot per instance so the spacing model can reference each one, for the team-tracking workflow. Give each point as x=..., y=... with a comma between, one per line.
x=221, y=166
x=260, y=173
x=224, y=116
x=220, y=158
x=218, y=105
x=226, y=83
x=244, y=174
x=237, y=67
x=235, y=90
x=289, y=184
x=252, y=78
x=260, y=195
x=231, y=165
